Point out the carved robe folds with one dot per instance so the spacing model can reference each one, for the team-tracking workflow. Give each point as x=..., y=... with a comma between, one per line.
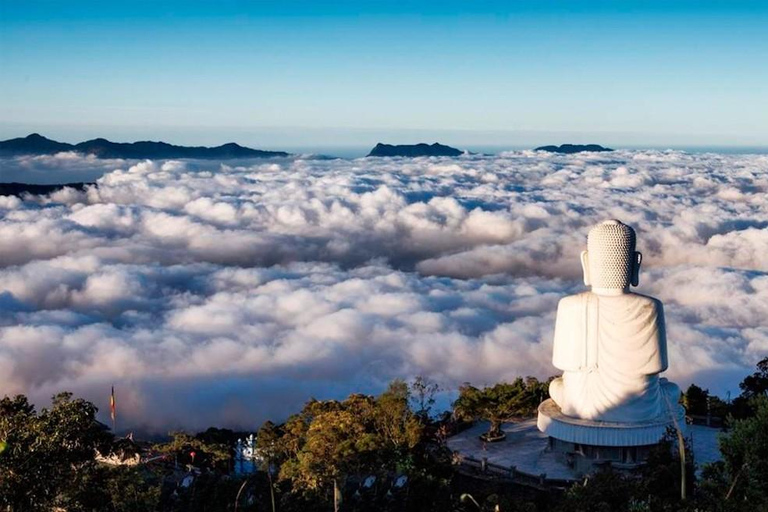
x=611, y=349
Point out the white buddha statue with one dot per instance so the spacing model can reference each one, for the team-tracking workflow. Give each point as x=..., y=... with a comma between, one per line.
x=610, y=342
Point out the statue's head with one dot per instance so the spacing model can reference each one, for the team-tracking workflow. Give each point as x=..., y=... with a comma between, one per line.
x=610, y=261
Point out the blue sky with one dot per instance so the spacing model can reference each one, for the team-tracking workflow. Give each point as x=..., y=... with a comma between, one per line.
x=348, y=73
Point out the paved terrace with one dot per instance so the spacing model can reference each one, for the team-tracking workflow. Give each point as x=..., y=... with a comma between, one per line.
x=525, y=446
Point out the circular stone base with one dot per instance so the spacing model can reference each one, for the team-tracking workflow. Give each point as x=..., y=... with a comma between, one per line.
x=554, y=423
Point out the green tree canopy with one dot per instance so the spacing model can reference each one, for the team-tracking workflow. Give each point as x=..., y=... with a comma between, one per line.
x=695, y=400
x=745, y=456
x=422, y=396
x=498, y=403
x=757, y=383
x=329, y=441
x=209, y=451
x=49, y=457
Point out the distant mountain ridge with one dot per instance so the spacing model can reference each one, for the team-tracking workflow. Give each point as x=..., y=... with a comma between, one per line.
x=20, y=189
x=573, y=148
x=36, y=144
x=414, y=150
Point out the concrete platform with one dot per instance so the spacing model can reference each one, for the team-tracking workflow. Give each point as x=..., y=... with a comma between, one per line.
x=525, y=448
x=704, y=444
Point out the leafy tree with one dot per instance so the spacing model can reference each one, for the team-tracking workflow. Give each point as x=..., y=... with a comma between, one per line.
x=336, y=446
x=695, y=400
x=752, y=386
x=294, y=432
x=330, y=441
x=129, y=489
x=268, y=445
x=399, y=428
x=757, y=383
x=538, y=390
x=660, y=478
x=220, y=436
x=605, y=491
x=195, y=450
x=268, y=442
x=210, y=491
x=49, y=458
x=422, y=393
x=745, y=458
x=498, y=403
x=718, y=407
x=20, y=485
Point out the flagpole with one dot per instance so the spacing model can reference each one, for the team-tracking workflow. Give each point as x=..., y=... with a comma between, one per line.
x=113, y=410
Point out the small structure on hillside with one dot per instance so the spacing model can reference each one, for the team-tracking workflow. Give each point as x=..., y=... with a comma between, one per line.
x=247, y=457
x=610, y=405
x=123, y=452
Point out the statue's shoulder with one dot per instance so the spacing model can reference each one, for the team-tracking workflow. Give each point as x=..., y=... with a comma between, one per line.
x=574, y=301
x=579, y=301
x=647, y=300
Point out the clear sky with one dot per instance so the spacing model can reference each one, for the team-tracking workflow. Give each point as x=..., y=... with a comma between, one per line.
x=345, y=73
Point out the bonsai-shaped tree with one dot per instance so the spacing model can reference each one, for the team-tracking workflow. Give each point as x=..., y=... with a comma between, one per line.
x=497, y=404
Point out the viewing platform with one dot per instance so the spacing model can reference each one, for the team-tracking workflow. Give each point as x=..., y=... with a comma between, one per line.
x=526, y=457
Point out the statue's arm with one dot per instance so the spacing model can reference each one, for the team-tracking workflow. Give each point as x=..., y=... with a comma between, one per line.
x=652, y=339
x=569, y=353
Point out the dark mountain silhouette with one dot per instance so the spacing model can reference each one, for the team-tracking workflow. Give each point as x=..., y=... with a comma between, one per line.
x=102, y=148
x=19, y=189
x=573, y=148
x=34, y=144
x=412, y=150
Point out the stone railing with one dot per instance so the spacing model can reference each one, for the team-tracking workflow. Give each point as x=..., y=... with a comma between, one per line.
x=705, y=420
x=481, y=467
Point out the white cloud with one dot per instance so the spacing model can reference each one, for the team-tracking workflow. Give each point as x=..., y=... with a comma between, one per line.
x=216, y=294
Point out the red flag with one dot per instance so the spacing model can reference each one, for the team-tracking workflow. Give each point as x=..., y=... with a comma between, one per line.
x=112, y=410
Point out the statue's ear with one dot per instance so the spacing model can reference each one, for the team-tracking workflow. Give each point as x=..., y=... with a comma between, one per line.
x=585, y=267
x=635, y=280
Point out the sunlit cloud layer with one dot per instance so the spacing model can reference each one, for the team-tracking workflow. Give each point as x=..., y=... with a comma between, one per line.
x=211, y=294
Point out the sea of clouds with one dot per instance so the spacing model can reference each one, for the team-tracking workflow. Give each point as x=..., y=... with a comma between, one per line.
x=224, y=294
